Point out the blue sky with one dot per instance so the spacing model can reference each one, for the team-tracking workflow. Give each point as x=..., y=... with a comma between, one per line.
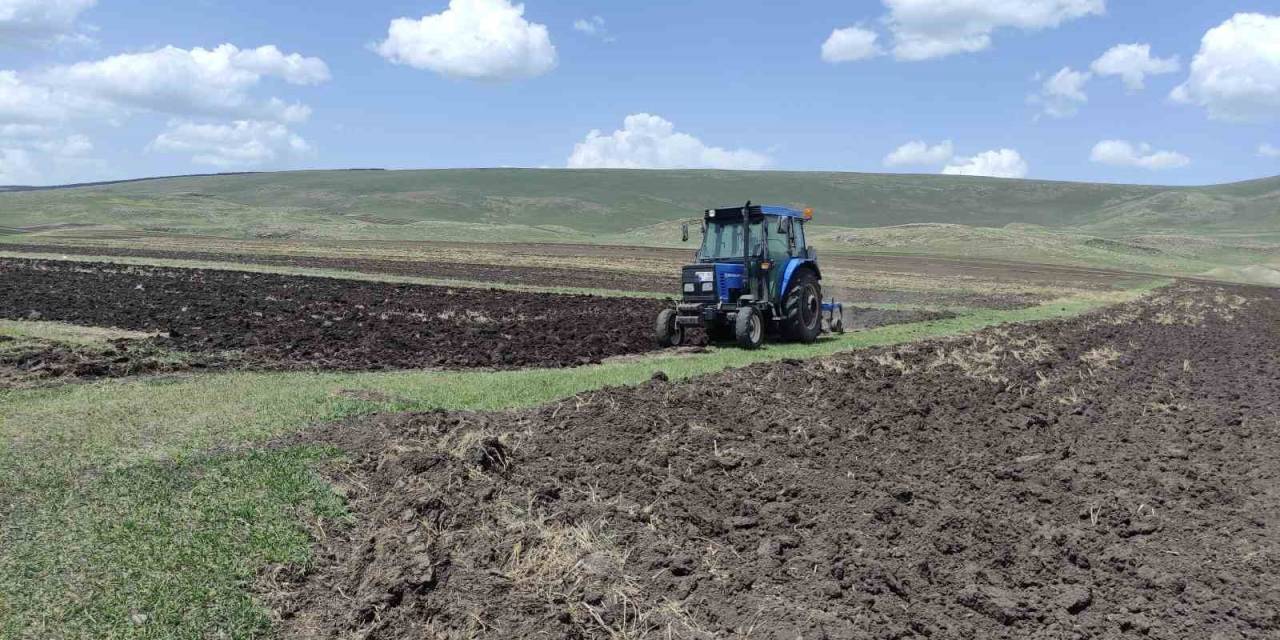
x=723, y=84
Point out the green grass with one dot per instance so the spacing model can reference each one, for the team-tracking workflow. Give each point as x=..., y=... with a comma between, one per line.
x=65, y=333
x=115, y=521
x=157, y=550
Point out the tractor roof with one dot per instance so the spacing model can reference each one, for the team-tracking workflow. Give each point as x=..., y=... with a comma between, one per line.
x=735, y=213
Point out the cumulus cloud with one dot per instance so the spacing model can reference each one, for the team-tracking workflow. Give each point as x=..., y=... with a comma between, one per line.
x=243, y=143
x=919, y=153
x=208, y=82
x=1062, y=94
x=25, y=102
x=36, y=21
x=999, y=163
x=649, y=142
x=926, y=29
x=851, y=44
x=1268, y=151
x=1132, y=63
x=474, y=39
x=1122, y=153
x=1236, y=74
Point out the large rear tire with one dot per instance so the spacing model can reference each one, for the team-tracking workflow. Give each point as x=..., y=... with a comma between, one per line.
x=802, y=308
x=748, y=328
x=666, y=331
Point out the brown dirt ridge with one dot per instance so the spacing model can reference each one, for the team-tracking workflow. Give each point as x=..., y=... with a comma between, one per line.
x=270, y=321
x=1112, y=475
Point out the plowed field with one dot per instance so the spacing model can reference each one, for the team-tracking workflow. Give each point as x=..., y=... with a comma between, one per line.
x=1110, y=475
x=231, y=318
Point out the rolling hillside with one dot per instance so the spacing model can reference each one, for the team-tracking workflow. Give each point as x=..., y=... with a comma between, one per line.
x=1227, y=231
x=617, y=201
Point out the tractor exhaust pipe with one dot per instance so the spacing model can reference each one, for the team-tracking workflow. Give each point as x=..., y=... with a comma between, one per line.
x=749, y=275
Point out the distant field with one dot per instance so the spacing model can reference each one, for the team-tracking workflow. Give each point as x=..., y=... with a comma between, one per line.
x=603, y=202
x=1229, y=232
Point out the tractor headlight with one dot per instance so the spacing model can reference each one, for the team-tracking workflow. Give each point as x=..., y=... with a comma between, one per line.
x=707, y=287
x=706, y=276
x=688, y=287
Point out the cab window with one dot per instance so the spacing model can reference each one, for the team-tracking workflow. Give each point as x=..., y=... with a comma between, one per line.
x=778, y=243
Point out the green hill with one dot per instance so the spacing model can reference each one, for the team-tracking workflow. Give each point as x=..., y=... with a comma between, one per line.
x=618, y=201
x=1230, y=231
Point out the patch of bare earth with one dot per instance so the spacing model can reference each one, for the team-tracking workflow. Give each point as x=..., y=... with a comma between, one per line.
x=1105, y=476
x=272, y=321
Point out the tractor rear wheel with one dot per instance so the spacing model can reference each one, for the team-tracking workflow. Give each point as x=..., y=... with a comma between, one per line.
x=802, y=308
x=666, y=331
x=748, y=328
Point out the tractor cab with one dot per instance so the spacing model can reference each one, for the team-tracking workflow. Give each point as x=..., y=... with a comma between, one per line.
x=754, y=269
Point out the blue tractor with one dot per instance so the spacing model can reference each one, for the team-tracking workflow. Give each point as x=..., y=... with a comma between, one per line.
x=754, y=275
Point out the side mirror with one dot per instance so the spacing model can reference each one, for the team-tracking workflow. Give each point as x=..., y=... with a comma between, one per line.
x=784, y=223
x=684, y=232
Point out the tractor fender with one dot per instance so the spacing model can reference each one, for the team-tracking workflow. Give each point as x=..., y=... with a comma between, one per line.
x=794, y=265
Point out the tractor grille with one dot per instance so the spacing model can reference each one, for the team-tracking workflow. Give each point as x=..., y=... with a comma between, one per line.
x=690, y=276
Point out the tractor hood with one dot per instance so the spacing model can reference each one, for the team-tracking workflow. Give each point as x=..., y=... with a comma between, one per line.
x=712, y=282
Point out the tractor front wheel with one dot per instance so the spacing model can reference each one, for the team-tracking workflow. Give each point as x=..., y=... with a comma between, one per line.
x=666, y=331
x=802, y=308
x=748, y=328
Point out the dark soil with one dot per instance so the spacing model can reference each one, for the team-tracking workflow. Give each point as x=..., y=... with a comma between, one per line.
x=858, y=318
x=1001, y=301
x=537, y=276
x=293, y=322
x=1114, y=475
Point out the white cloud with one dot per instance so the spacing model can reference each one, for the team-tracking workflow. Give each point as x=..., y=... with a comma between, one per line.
x=1236, y=73
x=209, y=82
x=593, y=26
x=1268, y=151
x=34, y=21
x=243, y=143
x=16, y=167
x=1133, y=63
x=71, y=146
x=25, y=102
x=23, y=131
x=925, y=29
x=851, y=44
x=650, y=142
x=1062, y=93
x=1001, y=163
x=1122, y=153
x=474, y=39
x=919, y=153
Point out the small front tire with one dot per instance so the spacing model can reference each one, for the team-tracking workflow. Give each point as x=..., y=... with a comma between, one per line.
x=748, y=328
x=666, y=331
